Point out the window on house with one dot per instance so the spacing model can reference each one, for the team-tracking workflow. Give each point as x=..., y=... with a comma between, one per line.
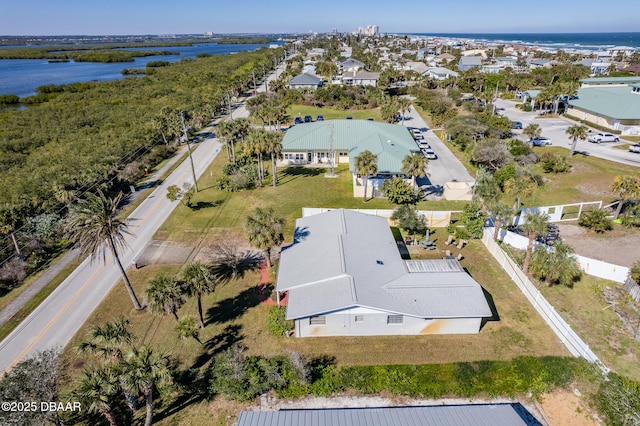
x=394, y=319
x=359, y=318
x=299, y=157
x=318, y=320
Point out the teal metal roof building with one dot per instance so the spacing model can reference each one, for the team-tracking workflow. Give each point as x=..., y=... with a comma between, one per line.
x=613, y=102
x=310, y=143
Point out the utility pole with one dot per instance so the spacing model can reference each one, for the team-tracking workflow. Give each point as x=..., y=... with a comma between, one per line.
x=185, y=138
x=264, y=76
x=229, y=105
x=255, y=88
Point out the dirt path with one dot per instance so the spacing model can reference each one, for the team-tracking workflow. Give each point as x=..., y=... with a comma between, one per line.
x=620, y=247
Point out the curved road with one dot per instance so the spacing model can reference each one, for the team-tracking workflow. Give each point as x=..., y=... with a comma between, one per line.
x=58, y=318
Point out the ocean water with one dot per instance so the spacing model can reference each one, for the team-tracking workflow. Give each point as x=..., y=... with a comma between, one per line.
x=565, y=41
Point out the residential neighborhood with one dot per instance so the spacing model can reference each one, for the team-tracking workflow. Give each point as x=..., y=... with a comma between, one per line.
x=340, y=228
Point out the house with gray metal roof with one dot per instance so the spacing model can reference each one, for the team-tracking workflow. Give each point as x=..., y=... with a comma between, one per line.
x=349, y=64
x=441, y=415
x=360, y=78
x=612, y=102
x=305, y=80
x=345, y=277
x=468, y=62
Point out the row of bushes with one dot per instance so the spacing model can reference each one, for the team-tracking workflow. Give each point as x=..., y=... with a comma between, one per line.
x=243, y=377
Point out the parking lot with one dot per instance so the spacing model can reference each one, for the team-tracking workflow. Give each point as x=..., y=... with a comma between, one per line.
x=555, y=129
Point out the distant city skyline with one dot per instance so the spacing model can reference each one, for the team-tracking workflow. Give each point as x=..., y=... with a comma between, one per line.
x=118, y=17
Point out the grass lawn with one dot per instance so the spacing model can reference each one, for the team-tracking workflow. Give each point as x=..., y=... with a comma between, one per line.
x=222, y=211
x=592, y=317
x=332, y=113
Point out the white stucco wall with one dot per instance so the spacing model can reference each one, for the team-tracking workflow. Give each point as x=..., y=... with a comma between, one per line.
x=343, y=323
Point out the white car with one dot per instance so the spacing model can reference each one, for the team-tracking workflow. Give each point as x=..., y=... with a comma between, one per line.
x=429, y=154
x=424, y=144
x=635, y=148
x=603, y=137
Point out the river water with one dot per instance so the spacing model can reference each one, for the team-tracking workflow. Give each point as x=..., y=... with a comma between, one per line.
x=22, y=76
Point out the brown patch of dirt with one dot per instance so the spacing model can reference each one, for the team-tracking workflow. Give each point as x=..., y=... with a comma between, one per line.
x=566, y=408
x=619, y=247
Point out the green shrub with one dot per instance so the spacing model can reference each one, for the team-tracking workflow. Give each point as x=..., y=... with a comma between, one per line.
x=277, y=324
x=618, y=398
x=554, y=163
x=631, y=216
x=596, y=220
x=635, y=271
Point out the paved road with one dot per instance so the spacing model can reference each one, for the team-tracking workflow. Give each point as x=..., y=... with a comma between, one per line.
x=446, y=168
x=555, y=128
x=58, y=318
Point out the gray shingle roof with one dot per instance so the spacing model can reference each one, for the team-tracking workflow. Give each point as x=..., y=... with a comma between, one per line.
x=390, y=142
x=347, y=259
x=471, y=60
x=453, y=415
x=305, y=79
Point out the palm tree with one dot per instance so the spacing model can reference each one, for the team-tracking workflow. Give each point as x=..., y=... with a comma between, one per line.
x=522, y=185
x=273, y=146
x=9, y=223
x=197, y=277
x=94, y=220
x=165, y=294
x=626, y=187
x=486, y=189
x=366, y=164
x=109, y=341
x=187, y=327
x=575, y=132
x=255, y=144
x=264, y=231
x=415, y=165
x=143, y=370
x=503, y=214
x=404, y=106
x=96, y=391
x=533, y=130
x=537, y=224
x=557, y=265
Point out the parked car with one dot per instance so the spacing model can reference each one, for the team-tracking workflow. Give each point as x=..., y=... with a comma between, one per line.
x=635, y=148
x=320, y=118
x=370, y=119
x=429, y=153
x=349, y=117
x=297, y=120
x=308, y=119
x=423, y=144
x=603, y=137
x=417, y=134
x=516, y=125
x=540, y=141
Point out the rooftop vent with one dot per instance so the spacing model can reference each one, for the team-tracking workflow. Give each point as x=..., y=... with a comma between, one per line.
x=379, y=262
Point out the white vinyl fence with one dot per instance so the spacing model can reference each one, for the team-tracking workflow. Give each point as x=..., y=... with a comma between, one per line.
x=594, y=267
x=435, y=219
x=567, y=336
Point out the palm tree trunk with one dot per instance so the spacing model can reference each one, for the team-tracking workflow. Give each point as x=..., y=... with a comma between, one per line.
x=233, y=152
x=364, y=197
x=129, y=397
x=200, y=310
x=274, y=170
x=616, y=214
x=573, y=146
x=110, y=416
x=148, y=396
x=127, y=283
x=527, y=257
x=496, y=232
x=15, y=244
x=267, y=256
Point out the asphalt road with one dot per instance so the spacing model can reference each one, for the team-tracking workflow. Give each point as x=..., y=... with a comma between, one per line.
x=58, y=318
x=446, y=168
x=555, y=128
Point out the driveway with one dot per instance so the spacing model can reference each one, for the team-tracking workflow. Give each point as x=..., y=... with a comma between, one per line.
x=446, y=168
x=555, y=128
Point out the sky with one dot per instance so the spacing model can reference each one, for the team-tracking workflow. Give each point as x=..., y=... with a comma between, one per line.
x=117, y=17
